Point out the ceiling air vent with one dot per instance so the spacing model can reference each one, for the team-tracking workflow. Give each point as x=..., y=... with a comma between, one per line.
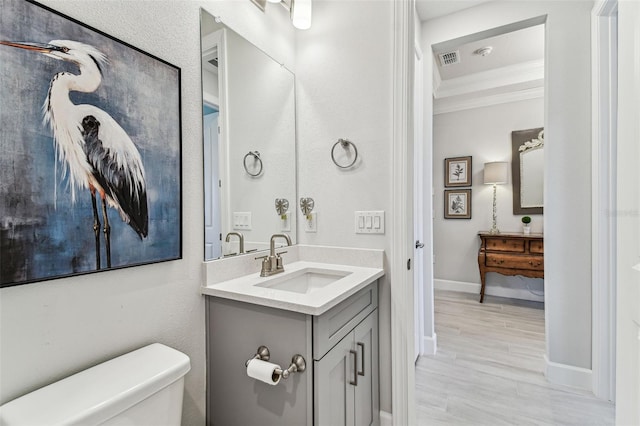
x=449, y=58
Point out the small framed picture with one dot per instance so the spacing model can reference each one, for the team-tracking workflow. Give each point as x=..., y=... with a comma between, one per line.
x=457, y=171
x=457, y=204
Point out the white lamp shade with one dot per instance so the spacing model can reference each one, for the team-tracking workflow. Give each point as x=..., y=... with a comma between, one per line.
x=274, y=1
x=301, y=14
x=496, y=172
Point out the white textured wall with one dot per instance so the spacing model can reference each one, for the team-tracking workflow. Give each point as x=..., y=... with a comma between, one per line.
x=485, y=134
x=344, y=77
x=567, y=219
x=52, y=329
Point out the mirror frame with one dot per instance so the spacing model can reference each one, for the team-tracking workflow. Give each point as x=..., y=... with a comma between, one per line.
x=519, y=137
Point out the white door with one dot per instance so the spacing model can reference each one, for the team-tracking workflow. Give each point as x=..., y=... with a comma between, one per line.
x=418, y=202
x=212, y=227
x=628, y=265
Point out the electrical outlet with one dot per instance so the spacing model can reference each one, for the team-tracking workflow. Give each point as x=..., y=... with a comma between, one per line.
x=311, y=222
x=285, y=222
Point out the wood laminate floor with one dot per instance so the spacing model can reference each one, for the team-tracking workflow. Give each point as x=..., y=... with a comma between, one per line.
x=489, y=369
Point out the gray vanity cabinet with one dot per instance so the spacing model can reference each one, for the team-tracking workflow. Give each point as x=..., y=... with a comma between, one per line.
x=337, y=345
x=346, y=379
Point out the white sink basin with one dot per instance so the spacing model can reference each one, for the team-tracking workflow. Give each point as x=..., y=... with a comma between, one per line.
x=305, y=287
x=305, y=280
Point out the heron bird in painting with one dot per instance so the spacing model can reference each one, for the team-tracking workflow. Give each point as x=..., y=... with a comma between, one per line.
x=93, y=148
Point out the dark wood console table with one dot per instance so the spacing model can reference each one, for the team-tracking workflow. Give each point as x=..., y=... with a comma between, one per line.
x=510, y=254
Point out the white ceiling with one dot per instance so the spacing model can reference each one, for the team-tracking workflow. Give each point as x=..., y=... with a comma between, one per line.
x=429, y=9
x=513, y=71
x=517, y=47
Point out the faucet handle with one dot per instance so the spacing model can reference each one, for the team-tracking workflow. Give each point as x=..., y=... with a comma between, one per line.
x=262, y=257
x=282, y=252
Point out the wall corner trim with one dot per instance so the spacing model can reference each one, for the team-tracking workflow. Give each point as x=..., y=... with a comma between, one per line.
x=430, y=345
x=386, y=419
x=568, y=375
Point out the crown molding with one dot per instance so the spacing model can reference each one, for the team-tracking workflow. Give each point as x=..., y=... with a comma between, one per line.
x=506, y=76
x=443, y=106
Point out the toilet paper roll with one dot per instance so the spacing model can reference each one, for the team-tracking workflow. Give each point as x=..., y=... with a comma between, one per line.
x=263, y=371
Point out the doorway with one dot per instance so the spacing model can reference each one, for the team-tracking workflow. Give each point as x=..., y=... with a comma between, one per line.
x=212, y=224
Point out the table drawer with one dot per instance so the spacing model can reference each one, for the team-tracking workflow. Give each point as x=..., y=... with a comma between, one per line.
x=533, y=263
x=505, y=244
x=536, y=246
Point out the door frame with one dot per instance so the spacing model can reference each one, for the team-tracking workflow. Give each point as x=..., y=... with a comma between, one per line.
x=402, y=311
x=419, y=276
x=628, y=206
x=604, y=224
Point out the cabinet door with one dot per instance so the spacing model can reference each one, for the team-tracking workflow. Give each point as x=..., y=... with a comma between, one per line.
x=367, y=410
x=334, y=394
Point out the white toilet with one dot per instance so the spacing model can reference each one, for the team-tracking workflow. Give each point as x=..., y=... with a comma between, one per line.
x=143, y=387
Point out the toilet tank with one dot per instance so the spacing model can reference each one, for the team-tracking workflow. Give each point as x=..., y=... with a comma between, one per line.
x=143, y=387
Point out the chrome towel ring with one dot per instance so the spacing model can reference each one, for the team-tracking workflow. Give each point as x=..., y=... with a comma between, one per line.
x=256, y=159
x=345, y=143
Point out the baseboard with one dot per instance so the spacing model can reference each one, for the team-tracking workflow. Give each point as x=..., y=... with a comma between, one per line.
x=568, y=375
x=386, y=419
x=466, y=287
x=430, y=344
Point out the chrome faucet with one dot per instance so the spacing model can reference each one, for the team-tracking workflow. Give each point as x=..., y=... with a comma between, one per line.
x=240, y=237
x=272, y=264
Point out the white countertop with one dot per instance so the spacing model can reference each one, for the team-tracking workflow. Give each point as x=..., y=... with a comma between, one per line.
x=316, y=302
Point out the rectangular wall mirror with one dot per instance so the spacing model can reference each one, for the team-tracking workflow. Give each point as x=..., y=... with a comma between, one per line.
x=527, y=162
x=249, y=144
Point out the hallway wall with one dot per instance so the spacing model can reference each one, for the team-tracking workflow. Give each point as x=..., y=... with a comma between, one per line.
x=485, y=134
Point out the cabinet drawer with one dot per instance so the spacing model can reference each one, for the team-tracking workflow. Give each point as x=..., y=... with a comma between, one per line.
x=536, y=246
x=330, y=327
x=534, y=263
x=505, y=244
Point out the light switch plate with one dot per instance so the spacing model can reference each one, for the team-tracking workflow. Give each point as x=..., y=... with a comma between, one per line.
x=369, y=222
x=242, y=221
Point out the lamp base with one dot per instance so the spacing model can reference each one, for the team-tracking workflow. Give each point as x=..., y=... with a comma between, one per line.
x=494, y=228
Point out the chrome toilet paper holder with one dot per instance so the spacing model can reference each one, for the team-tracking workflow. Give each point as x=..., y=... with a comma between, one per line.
x=298, y=364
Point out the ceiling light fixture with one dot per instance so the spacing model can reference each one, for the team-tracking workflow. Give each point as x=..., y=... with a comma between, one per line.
x=301, y=14
x=483, y=51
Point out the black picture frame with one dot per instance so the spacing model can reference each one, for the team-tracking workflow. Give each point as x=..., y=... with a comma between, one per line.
x=46, y=185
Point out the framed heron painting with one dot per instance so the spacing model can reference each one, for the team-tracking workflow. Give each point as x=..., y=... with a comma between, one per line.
x=90, y=149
